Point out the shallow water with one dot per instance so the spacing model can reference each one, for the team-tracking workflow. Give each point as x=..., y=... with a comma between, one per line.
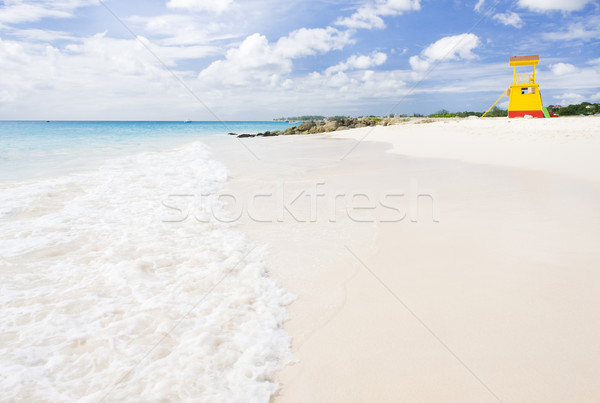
x=37, y=149
x=110, y=287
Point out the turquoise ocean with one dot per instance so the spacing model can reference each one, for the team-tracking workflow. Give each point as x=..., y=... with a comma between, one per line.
x=102, y=295
x=30, y=149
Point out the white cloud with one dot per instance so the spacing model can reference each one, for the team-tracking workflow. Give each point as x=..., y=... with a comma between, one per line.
x=216, y=6
x=19, y=11
x=253, y=62
x=369, y=15
x=552, y=5
x=569, y=98
x=28, y=12
x=503, y=105
x=310, y=41
x=89, y=79
x=586, y=30
x=479, y=5
x=595, y=97
x=256, y=61
x=452, y=47
x=41, y=35
x=181, y=29
x=99, y=77
x=566, y=78
x=561, y=69
x=124, y=54
x=359, y=62
x=353, y=84
x=12, y=52
x=448, y=48
x=419, y=64
x=510, y=18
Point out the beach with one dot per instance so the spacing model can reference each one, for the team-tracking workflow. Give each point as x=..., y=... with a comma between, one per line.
x=307, y=201
x=451, y=260
x=432, y=260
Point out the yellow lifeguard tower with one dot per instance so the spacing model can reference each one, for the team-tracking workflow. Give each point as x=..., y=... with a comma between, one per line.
x=524, y=94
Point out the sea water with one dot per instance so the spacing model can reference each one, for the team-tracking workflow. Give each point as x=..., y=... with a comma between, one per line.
x=102, y=295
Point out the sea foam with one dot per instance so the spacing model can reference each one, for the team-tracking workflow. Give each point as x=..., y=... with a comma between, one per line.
x=103, y=296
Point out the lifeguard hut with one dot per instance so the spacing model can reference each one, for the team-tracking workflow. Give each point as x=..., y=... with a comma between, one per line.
x=524, y=93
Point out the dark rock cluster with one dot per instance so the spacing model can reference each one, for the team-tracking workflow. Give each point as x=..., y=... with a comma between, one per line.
x=324, y=126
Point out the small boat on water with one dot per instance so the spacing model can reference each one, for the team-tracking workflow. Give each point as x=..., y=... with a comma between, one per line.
x=187, y=121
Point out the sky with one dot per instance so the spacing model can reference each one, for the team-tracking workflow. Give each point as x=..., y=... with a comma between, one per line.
x=262, y=59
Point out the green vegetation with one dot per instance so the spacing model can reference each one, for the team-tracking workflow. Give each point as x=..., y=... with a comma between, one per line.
x=442, y=114
x=467, y=114
x=584, y=108
x=497, y=112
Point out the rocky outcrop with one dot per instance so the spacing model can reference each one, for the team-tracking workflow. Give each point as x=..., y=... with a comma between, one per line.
x=329, y=125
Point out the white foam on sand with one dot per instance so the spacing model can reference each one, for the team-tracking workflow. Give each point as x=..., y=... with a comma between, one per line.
x=110, y=288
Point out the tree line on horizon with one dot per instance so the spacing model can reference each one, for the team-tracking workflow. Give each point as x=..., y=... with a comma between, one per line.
x=584, y=108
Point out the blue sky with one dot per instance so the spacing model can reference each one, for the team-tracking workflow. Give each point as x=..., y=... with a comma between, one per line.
x=260, y=59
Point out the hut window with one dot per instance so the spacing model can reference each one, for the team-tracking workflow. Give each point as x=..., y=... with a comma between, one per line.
x=527, y=90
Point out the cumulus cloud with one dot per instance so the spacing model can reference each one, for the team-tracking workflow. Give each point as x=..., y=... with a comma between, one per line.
x=448, y=48
x=355, y=84
x=369, y=15
x=12, y=52
x=86, y=79
x=358, y=62
x=567, y=78
x=181, y=29
x=216, y=6
x=99, y=77
x=479, y=5
x=510, y=18
x=586, y=30
x=561, y=69
x=570, y=98
x=310, y=41
x=554, y=5
x=256, y=60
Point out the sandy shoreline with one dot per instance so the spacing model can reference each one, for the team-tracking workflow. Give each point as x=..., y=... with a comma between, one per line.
x=490, y=295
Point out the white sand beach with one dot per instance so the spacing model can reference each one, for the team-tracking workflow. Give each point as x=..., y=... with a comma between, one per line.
x=470, y=274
